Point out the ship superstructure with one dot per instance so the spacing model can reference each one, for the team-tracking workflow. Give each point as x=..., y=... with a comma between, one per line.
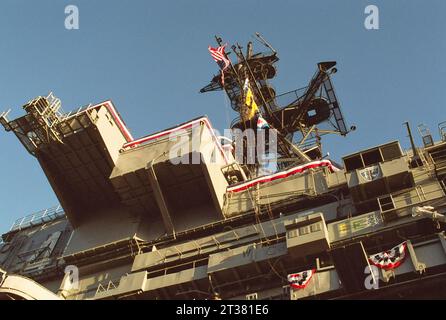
x=139, y=221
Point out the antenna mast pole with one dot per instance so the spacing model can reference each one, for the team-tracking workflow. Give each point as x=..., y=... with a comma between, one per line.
x=295, y=149
x=416, y=157
x=265, y=43
x=251, y=75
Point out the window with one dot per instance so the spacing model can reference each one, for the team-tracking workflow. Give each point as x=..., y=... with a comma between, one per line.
x=386, y=203
x=252, y=296
x=292, y=233
x=372, y=157
x=353, y=163
x=391, y=151
x=316, y=227
x=304, y=230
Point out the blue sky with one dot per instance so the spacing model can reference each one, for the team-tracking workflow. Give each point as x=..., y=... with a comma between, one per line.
x=150, y=58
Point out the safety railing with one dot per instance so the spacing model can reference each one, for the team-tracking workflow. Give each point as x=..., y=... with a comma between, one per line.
x=38, y=218
x=410, y=198
x=288, y=98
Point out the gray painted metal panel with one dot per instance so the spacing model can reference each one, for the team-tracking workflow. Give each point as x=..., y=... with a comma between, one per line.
x=174, y=279
x=322, y=282
x=307, y=235
x=244, y=255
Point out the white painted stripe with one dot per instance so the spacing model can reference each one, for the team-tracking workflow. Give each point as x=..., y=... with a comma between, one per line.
x=282, y=174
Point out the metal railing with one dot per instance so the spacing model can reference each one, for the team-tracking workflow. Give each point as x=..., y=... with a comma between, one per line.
x=38, y=218
x=442, y=130
x=290, y=97
x=73, y=114
x=406, y=199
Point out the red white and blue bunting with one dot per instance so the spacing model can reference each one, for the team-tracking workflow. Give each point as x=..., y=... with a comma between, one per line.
x=390, y=259
x=283, y=174
x=300, y=280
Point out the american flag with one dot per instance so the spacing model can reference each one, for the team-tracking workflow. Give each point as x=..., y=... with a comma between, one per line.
x=218, y=54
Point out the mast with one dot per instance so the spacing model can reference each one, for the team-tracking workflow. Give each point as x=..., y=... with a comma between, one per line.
x=308, y=113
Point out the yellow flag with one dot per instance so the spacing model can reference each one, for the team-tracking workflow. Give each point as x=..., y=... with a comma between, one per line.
x=250, y=104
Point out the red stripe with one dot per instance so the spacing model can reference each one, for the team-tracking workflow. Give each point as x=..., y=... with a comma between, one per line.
x=391, y=265
x=281, y=175
x=296, y=286
x=218, y=54
x=217, y=57
x=188, y=125
x=388, y=266
x=118, y=119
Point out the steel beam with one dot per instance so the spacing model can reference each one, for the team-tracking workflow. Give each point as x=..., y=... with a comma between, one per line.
x=161, y=202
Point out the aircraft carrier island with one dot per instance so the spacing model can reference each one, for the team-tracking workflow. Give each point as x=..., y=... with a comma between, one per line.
x=184, y=214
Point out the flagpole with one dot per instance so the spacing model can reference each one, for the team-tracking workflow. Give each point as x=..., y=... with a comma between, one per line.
x=219, y=42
